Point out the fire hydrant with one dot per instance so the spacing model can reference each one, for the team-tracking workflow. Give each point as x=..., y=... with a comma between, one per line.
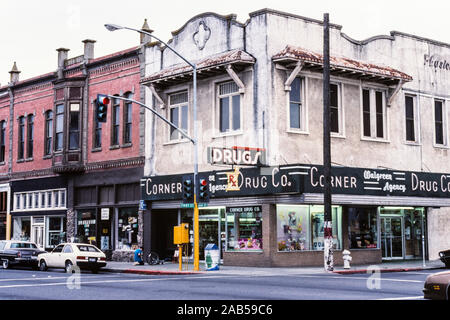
x=347, y=258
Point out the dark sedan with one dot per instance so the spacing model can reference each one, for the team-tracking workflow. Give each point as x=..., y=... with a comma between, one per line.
x=445, y=257
x=437, y=286
x=14, y=252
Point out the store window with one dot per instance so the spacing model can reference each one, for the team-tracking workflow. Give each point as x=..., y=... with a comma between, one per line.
x=127, y=229
x=244, y=228
x=317, y=224
x=86, y=226
x=56, y=231
x=293, y=228
x=301, y=227
x=22, y=228
x=362, y=228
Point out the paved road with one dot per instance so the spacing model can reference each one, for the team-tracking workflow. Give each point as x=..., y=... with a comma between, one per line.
x=55, y=284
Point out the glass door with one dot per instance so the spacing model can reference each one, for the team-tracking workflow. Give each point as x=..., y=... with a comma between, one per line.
x=392, y=237
x=38, y=235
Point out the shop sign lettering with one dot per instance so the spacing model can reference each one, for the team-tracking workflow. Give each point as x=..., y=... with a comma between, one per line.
x=436, y=62
x=236, y=156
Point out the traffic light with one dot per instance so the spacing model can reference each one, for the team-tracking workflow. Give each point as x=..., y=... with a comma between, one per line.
x=188, y=190
x=203, y=191
x=101, y=107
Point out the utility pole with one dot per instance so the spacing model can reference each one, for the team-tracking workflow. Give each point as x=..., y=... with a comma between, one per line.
x=328, y=230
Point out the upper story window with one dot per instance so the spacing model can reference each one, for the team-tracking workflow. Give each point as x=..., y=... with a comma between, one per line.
x=21, y=138
x=229, y=107
x=374, y=114
x=115, y=122
x=336, y=122
x=30, y=135
x=74, y=126
x=411, y=122
x=178, y=109
x=440, y=123
x=36, y=200
x=127, y=118
x=59, y=128
x=48, y=132
x=2, y=140
x=297, y=110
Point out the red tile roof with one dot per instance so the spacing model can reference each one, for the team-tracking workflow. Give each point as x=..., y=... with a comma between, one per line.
x=299, y=54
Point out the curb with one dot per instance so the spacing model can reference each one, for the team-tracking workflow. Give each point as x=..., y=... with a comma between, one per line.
x=385, y=270
x=152, y=272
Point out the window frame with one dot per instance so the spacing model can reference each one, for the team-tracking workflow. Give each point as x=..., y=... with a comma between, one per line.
x=217, y=114
x=179, y=106
x=373, y=113
x=21, y=138
x=416, y=119
x=30, y=136
x=59, y=116
x=3, y=126
x=304, y=123
x=48, y=133
x=340, y=109
x=444, y=124
x=127, y=132
x=115, y=122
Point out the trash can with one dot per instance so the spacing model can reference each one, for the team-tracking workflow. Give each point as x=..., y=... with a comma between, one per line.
x=212, y=257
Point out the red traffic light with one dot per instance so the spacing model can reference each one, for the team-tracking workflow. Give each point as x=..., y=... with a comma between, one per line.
x=104, y=100
x=203, y=182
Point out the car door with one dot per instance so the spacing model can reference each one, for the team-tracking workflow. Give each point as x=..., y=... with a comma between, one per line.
x=66, y=254
x=55, y=256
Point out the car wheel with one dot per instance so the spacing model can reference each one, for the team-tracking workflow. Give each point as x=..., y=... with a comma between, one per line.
x=5, y=264
x=69, y=267
x=43, y=265
x=447, y=265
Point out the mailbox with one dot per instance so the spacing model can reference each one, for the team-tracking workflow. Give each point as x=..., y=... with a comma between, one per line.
x=181, y=234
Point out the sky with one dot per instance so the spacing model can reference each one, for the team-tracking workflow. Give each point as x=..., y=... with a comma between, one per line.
x=31, y=31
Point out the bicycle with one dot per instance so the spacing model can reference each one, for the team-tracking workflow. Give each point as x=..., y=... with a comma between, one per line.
x=153, y=258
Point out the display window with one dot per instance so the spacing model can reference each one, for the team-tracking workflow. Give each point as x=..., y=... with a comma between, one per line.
x=87, y=226
x=22, y=228
x=301, y=227
x=363, y=228
x=244, y=228
x=127, y=224
x=56, y=231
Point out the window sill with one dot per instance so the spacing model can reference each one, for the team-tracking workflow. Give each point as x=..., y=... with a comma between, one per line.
x=168, y=143
x=2, y=163
x=228, y=134
x=375, y=140
x=49, y=156
x=96, y=149
x=337, y=135
x=114, y=147
x=20, y=161
x=126, y=145
x=412, y=143
x=294, y=131
x=441, y=146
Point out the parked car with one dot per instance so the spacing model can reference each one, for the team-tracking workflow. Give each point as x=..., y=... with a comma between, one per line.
x=437, y=286
x=14, y=252
x=445, y=257
x=67, y=255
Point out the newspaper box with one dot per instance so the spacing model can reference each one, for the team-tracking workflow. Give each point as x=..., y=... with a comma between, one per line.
x=212, y=257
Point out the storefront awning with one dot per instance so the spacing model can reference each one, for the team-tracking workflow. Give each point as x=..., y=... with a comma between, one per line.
x=341, y=66
x=206, y=67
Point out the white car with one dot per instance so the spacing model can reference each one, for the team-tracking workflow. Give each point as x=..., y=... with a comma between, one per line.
x=67, y=255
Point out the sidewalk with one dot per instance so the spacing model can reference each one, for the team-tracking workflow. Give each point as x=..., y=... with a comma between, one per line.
x=169, y=268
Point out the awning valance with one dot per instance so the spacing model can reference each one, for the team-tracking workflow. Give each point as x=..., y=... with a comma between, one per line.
x=206, y=67
x=341, y=66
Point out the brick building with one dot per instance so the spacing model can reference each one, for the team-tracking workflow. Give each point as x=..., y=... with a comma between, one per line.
x=63, y=175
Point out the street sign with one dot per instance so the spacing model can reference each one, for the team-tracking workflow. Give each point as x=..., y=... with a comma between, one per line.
x=191, y=205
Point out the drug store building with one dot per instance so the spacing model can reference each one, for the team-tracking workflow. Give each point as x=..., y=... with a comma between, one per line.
x=260, y=87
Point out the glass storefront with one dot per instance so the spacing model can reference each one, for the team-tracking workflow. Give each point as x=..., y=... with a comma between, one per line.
x=301, y=227
x=362, y=227
x=127, y=229
x=244, y=229
x=21, y=228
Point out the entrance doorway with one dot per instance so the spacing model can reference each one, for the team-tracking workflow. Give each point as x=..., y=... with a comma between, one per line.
x=37, y=233
x=392, y=237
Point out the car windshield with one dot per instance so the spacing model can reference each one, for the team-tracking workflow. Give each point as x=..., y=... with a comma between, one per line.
x=85, y=248
x=22, y=245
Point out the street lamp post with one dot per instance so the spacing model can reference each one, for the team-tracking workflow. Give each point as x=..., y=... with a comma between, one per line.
x=114, y=27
